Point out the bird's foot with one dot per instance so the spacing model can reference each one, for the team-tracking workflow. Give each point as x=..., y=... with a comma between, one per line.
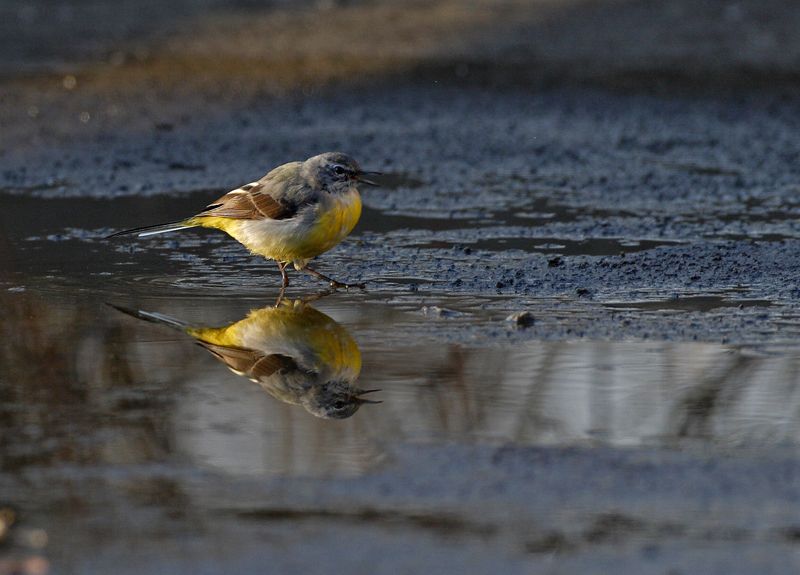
x=332, y=282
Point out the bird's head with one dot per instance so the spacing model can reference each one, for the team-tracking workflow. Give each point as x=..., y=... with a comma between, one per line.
x=336, y=172
x=335, y=399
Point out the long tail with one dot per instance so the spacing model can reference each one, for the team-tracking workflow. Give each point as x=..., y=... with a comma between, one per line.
x=145, y=231
x=152, y=316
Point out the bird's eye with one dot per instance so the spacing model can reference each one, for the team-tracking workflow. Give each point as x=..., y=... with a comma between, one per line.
x=339, y=404
x=339, y=170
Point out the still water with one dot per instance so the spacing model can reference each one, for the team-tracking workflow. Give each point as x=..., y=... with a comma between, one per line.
x=84, y=382
x=120, y=361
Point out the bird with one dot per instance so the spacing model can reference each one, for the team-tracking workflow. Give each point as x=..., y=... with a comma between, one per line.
x=294, y=213
x=296, y=353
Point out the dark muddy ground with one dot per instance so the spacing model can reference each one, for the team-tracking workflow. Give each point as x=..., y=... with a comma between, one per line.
x=586, y=196
x=638, y=198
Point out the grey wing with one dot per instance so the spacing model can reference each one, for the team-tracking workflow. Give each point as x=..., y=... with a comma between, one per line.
x=251, y=363
x=278, y=196
x=250, y=203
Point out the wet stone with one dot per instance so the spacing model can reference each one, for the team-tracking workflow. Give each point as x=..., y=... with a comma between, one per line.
x=521, y=319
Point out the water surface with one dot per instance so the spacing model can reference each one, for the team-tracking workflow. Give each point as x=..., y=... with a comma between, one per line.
x=139, y=411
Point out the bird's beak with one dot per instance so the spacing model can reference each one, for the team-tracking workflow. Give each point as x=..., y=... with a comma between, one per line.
x=360, y=178
x=361, y=400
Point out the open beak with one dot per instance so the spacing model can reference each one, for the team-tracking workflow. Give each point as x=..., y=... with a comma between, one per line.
x=360, y=178
x=361, y=400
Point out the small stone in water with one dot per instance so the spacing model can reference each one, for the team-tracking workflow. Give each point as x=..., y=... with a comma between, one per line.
x=521, y=319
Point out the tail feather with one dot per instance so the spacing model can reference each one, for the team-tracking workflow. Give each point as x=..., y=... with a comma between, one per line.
x=145, y=231
x=151, y=316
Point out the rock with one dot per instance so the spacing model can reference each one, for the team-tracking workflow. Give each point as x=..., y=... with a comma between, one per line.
x=521, y=319
x=436, y=311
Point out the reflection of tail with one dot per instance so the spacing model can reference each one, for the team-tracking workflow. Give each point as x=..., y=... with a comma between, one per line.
x=153, y=317
x=145, y=231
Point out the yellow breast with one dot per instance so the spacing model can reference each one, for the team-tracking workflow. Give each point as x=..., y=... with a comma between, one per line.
x=302, y=237
x=333, y=225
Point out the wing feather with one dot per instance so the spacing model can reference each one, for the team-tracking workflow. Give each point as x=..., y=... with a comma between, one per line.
x=250, y=203
x=278, y=196
x=249, y=362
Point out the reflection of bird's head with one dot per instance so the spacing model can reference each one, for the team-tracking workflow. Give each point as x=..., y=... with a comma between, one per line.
x=334, y=172
x=335, y=399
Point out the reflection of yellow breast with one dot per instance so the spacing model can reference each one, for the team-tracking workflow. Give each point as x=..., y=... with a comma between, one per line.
x=338, y=350
x=294, y=329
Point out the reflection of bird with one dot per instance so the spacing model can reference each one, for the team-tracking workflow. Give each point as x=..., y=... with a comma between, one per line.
x=294, y=213
x=297, y=354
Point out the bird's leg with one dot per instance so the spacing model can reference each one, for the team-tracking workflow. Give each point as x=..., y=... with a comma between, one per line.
x=317, y=296
x=333, y=283
x=284, y=275
x=284, y=282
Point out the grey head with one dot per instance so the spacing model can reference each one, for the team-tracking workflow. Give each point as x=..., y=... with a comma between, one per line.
x=335, y=172
x=335, y=399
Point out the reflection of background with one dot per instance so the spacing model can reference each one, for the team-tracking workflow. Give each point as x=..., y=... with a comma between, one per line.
x=623, y=394
x=104, y=388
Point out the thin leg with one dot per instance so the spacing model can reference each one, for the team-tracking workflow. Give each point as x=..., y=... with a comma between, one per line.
x=333, y=283
x=284, y=275
x=317, y=296
x=284, y=282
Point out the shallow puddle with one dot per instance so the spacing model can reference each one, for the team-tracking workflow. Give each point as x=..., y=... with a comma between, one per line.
x=116, y=330
x=560, y=246
x=118, y=360
x=281, y=390
x=699, y=303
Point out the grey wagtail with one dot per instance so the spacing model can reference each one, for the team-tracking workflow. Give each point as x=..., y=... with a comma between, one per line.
x=296, y=212
x=296, y=353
